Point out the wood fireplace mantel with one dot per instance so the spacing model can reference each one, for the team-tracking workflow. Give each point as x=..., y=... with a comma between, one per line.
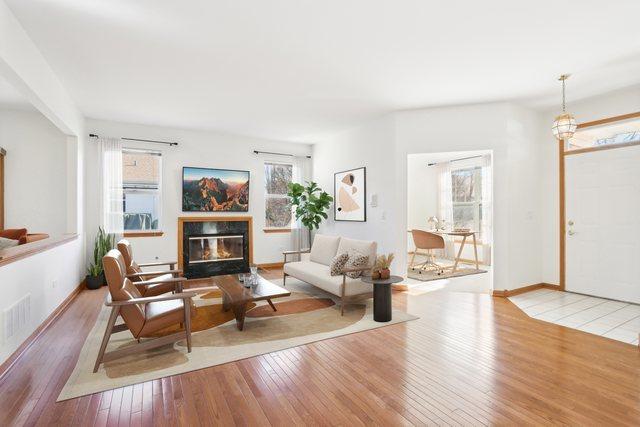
x=183, y=219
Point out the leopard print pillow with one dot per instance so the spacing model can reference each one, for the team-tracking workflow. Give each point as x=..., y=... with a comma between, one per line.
x=337, y=264
x=356, y=260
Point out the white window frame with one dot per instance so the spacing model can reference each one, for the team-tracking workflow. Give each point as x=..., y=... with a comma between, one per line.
x=159, y=190
x=276, y=196
x=477, y=203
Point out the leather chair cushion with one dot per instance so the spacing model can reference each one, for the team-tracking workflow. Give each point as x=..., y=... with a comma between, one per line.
x=162, y=314
x=158, y=288
x=122, y=289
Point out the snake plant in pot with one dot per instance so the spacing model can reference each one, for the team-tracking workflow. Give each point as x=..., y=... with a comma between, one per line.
x=103, y=243
x=310, y=204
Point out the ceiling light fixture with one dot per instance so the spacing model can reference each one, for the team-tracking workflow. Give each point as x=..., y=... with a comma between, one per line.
x=564, y=126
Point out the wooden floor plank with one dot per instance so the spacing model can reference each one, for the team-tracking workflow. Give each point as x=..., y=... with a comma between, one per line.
x=469, y=360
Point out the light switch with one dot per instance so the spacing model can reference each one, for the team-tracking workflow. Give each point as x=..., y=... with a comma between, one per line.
x=374, y=200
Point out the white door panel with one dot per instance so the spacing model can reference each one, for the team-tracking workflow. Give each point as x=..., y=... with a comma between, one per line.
x=602, y=190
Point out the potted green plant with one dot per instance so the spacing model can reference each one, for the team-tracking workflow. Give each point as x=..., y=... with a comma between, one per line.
x=381, y=267
x=310, y=204
x=103, y=243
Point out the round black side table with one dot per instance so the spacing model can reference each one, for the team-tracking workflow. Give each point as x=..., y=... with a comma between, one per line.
x=382, y=296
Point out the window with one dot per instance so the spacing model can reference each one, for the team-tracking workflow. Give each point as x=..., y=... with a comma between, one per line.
x=466, y=189
x=615, y=131
x=141, y=187
x=277, y=177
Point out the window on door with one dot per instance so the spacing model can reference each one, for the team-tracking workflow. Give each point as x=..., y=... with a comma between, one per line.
x=466, y=189
x=277, y=177
x=141, y=186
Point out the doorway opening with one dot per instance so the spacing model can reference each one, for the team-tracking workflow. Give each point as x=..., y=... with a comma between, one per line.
x=450, y=221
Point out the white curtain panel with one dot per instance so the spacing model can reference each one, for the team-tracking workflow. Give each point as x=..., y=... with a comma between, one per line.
x=487, y=209
x=112, y=197
x=299, y=233
x=445, y=204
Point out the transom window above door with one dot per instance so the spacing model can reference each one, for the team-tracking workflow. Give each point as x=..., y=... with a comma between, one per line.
x=608, y=132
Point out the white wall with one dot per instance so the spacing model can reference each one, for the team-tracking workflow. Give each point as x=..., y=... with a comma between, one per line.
x=422, y=190
x=199, y=149
x=612, y=104
x=370, y=145
x=22, y=65
x=35, y=172
x=383, y=145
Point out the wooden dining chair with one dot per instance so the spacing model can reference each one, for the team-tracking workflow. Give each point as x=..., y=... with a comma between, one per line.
x=136, y=274
x=143, y=316
x=426, y=241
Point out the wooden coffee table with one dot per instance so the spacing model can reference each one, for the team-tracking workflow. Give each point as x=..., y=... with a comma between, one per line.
x=236, y=297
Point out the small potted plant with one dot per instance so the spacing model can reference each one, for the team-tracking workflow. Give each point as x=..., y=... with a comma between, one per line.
x=381, y=267
x=103, y=243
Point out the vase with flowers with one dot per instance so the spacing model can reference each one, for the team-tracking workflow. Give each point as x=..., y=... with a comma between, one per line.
x=381, y=267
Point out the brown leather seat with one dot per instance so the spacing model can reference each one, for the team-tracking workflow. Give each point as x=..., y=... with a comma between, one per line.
x=134, y=268
x=143, y=316
x=142, y=320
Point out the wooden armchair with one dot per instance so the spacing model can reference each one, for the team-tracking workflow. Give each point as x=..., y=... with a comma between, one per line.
x=160, y=278
x=143, y=316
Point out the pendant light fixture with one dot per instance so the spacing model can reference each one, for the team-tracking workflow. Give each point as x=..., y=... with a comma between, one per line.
x=564, y=126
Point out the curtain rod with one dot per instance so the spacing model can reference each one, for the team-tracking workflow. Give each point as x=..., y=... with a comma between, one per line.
x=277, y=154
x=454, y=160
x=152, y=141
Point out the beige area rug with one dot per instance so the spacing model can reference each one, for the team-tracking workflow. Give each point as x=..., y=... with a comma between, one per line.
x=308, y=315
x=428, y=275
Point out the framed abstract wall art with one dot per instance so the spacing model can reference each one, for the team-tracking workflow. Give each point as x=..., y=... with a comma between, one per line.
x=214, y=190
x=350, y=195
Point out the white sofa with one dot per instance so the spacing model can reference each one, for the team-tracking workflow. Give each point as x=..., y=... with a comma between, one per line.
x=314, y=267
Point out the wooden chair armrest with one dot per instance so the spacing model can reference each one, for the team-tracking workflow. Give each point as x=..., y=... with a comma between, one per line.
x=147, y=300
x=154, y=282
x=355, y=269
x=203, y=289
x=153, y=273
x=303, y=251
x=155, y=264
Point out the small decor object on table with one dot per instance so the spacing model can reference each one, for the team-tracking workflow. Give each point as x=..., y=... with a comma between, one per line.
x=381, y=267
x=433, y=223
x=382, y=297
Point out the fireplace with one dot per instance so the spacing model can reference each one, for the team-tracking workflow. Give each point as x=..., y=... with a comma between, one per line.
x=214, y=246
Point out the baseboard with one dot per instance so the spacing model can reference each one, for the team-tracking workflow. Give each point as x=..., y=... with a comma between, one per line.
x=8, y=364
x=271, y=265
x=517, y=291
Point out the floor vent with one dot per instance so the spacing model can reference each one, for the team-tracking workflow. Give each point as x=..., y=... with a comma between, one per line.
x=16, y=317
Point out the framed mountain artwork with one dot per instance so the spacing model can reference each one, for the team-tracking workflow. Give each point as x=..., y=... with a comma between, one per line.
x=350, y=195
x=214, y=190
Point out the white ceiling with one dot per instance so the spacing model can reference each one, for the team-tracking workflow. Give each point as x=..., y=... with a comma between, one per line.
x=297, y=69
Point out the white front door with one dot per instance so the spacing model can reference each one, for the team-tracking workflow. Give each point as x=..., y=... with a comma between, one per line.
x=602, y=193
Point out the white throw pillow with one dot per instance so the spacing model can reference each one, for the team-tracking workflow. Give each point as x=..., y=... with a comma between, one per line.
x=7, y=243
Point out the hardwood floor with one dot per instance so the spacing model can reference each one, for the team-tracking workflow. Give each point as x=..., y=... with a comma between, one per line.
x=469, y=360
